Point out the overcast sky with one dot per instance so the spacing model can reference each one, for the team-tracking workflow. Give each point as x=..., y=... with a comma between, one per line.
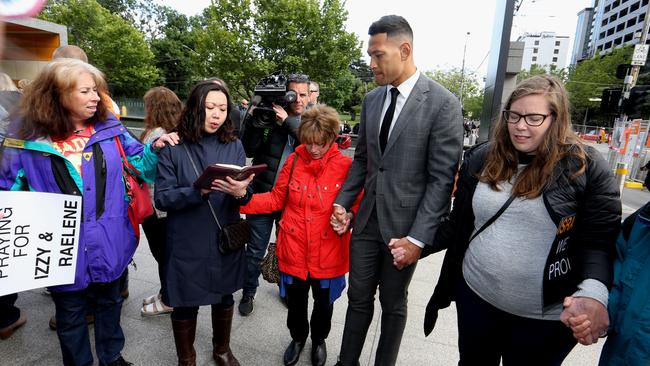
x=440, y=27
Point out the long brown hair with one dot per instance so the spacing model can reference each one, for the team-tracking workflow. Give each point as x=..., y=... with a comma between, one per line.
x=559, y=142
x=45, y=106
x=162, y=109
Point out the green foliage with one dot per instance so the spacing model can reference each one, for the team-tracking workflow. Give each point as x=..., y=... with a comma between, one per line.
x=472, y=93
x=112, y=44
x=175, y=54
x=244, y=41
x=473, y=106
x=562, y=74
x=341, y=92
x=588, y=79
x=139, y=43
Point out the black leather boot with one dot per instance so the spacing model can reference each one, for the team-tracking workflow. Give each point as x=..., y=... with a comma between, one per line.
x=184, y=332
x=318, y=353
x=221, y=326
x=292, y=354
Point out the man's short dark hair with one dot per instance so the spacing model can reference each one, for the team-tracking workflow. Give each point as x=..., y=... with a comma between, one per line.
x=298, y=79
x=392, y=25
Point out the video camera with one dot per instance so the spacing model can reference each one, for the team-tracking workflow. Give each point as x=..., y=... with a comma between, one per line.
x=270, y=90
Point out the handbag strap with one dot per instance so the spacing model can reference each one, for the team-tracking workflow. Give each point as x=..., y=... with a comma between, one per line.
x=293, y=166
x=214, y=215
x=493, y=218
x=125, y=161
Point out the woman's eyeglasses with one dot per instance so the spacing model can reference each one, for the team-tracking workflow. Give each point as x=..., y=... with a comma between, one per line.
x=532, y=119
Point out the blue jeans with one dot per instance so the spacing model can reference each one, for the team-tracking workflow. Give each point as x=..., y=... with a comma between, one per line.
x=261, y=227
x=101, y=299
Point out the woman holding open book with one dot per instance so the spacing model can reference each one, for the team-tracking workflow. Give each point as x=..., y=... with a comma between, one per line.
x=310, y=254
x=196, y=272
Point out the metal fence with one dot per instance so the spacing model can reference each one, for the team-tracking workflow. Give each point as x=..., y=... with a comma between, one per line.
x=587, y=129
x=130, y=107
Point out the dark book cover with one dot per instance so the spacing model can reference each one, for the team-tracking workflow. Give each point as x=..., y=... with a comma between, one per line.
x=221, y=171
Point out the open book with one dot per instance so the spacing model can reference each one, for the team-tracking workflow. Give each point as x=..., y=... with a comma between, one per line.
x=221, y=171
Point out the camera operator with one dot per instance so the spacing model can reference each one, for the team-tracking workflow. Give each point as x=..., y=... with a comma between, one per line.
x=269, y=145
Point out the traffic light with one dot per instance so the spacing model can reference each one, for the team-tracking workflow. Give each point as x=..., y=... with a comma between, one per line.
x=634, y=106
x=609, y=100
x=622, y=70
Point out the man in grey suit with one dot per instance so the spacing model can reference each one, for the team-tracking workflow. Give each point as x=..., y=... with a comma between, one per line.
x=409, y=146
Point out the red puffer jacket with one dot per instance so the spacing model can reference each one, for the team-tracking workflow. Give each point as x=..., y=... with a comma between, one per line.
x=306, y=243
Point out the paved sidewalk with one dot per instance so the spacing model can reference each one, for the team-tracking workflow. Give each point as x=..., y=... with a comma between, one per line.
x=259, y=339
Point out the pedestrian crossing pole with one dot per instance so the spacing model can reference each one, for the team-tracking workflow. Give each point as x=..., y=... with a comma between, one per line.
x=638, y=59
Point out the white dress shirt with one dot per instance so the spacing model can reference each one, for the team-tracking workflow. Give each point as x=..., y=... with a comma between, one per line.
x=405, y=90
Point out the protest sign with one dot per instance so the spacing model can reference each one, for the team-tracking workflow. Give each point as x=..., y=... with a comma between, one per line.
x=39, y=238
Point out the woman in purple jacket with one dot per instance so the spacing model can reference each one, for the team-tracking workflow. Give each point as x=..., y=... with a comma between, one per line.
x=65, y=142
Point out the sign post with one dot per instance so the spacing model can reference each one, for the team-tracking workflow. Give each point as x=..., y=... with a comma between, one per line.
x=640, y=54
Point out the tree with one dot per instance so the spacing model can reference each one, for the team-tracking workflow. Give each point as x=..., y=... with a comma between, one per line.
x=473, y=106
x=244, y=41
x=340, y=91
x=112, y=44
x=535, y=69
x=588, y=79
x=472, y=93
x=363, y=83
x=174, y=50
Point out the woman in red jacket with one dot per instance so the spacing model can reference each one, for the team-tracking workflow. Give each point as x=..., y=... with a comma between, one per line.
x=310, y=254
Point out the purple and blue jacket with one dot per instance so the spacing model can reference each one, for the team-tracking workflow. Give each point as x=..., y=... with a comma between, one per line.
x=106, y=239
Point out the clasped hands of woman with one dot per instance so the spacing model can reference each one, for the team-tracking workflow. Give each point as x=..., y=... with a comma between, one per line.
x=403, y=250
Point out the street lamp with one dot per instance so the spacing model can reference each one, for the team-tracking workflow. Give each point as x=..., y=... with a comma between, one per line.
x=462, y=72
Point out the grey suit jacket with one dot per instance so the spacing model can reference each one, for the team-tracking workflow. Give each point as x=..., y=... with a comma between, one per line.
x=411, y=183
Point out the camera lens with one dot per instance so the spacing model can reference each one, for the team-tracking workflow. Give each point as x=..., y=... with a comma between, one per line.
x=290, y=96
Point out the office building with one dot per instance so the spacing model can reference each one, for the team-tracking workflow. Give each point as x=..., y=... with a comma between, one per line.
x=614, y=23
x=544, y=49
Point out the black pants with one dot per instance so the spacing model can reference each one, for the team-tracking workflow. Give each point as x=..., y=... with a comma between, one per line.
x=487, y=335
x=321, y=315
x=190, y=312
x=156, y=231
x=371, y=267
x=9, y=313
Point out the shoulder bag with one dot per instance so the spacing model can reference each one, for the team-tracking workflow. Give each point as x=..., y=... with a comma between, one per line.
x=233, y=236
x=140, y=206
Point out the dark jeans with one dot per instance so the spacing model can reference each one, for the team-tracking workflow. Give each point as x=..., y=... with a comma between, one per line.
x=101, y=299
x=8, y=312
x=321, y=315
x=487, y=335
x=371, y=266
x=261, y=227
x=190, y=312
x=156, y=231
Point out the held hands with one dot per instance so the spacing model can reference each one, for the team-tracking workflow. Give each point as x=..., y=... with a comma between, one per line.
x=235, y=188
x=170, y=139
x=280, y=114
x=404, y=252
x=587, y=318
x=340, y=220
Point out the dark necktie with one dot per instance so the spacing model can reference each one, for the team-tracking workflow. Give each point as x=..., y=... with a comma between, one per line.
x=388, y=119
